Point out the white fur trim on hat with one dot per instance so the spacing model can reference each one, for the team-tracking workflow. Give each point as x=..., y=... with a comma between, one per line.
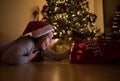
x=42, y=31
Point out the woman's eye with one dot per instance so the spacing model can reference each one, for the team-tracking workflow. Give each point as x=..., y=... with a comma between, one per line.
x=50, y=37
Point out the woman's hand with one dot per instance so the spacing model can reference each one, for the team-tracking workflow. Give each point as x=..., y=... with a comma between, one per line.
x=32, y=55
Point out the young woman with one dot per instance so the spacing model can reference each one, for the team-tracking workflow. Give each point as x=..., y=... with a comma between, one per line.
x=25, y=48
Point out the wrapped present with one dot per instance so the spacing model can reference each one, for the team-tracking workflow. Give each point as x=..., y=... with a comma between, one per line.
x=94, y=51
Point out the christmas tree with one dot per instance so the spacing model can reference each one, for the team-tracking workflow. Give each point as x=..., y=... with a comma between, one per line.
x=70, y=18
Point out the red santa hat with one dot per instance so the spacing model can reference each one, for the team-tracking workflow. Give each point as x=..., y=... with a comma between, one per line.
x=38, y=28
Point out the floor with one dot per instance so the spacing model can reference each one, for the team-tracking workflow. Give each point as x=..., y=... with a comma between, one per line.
x=59, y=71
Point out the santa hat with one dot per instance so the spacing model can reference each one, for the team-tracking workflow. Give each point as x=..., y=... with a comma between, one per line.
x=38, y=28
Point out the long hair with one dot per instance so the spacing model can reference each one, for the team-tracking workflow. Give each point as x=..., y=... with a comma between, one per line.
x=35, y=40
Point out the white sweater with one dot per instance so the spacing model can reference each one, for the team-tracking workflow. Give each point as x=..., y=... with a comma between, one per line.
x=16, y=52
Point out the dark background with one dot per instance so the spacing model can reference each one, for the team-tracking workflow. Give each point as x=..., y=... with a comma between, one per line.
x=109, y=7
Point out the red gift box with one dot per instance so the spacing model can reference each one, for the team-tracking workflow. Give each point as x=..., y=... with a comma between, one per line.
x=95, y=51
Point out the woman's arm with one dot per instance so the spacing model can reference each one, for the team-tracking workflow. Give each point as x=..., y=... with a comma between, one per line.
x=32, y=55
x=57, y=56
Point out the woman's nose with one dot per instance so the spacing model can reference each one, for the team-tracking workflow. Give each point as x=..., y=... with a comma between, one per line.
x=50, y=40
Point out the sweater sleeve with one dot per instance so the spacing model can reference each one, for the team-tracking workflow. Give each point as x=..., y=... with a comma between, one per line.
x=18, y=53
x=56, y=56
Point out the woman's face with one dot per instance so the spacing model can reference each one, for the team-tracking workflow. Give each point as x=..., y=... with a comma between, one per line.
x=45, y=41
